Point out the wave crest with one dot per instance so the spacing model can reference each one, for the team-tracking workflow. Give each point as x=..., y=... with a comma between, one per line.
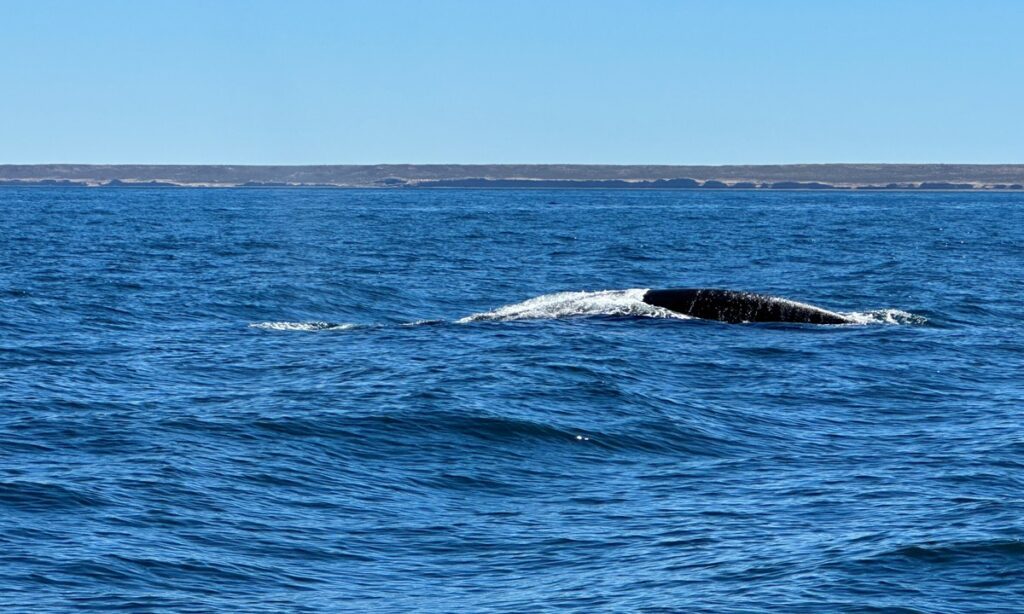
x=303, y=326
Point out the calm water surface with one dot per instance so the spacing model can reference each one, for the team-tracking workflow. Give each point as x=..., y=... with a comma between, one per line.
x=329, y=400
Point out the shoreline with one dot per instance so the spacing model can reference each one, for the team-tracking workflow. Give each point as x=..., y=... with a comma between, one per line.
x=1016, y=189
x=849, y=177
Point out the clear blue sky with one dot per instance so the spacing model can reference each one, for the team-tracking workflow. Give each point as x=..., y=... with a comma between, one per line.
x=485, y=81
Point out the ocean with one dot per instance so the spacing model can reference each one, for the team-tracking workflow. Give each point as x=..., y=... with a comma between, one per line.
x=323, y=400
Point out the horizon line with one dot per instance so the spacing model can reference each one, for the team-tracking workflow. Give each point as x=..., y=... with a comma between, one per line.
x=873, y=163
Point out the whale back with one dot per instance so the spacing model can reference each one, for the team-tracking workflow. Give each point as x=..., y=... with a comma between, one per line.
x=734, y=306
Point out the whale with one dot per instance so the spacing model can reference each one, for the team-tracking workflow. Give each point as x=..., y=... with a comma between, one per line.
x=735, y=307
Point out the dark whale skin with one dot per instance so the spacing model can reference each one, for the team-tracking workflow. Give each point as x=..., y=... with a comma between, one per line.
x=735, y=307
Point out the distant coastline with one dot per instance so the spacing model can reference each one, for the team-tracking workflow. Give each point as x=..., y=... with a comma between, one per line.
x=538, y=176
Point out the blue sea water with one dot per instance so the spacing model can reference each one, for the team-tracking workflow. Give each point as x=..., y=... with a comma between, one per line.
x=453, y=400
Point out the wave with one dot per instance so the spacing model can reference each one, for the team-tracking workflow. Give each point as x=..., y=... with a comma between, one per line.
x=571, y=304
x=303, y=326
x=376, y=434
x=974, y=551
x=46, y=496
x=422, y=323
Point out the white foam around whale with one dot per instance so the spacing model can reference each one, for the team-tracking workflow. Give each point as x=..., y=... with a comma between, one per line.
x=568, y=304
x=885, y=316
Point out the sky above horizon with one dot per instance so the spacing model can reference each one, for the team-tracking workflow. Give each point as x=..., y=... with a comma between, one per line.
x=309, y=82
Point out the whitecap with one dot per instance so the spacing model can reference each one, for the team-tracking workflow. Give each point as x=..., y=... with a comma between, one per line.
x=302, y=326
